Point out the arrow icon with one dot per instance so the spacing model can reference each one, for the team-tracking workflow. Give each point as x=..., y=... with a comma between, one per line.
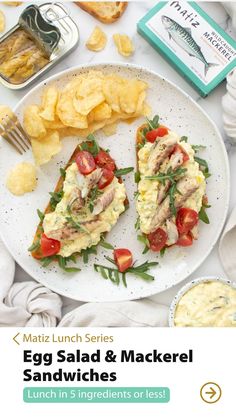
x=212, y=392
x=14, y=338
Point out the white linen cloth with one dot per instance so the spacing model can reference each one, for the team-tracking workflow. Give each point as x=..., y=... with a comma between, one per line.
x=28, y=303
x=227, y=247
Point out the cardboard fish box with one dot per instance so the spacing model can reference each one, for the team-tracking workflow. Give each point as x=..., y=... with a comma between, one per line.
x=200, y=50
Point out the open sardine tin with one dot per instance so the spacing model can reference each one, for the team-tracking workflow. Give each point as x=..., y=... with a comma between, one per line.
x=43, y=36
x=191, y=41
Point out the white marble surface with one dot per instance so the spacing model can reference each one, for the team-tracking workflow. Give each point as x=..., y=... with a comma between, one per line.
x=146, y=56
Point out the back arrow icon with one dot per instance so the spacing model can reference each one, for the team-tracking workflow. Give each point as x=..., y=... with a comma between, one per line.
x=212, y=392
x=15, y=338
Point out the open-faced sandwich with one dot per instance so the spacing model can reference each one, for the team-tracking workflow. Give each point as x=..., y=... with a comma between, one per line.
x=87, y=202
x=171, y=187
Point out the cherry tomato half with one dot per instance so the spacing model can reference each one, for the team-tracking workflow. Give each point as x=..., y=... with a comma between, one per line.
x=85, y=162
x=103, y=159
x=185, y=240
x=179, y=149
x=157, y=239
x=49, y=246
x=186, y=219
x=106, y=179
x=151, y=136
x=123, y=259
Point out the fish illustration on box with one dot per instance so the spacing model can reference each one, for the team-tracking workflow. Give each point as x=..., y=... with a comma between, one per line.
x=183, y=37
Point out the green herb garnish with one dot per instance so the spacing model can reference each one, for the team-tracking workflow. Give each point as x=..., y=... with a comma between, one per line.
x=41, y=215
x=56, y=197
x=89, y=251
x=75, y=224
x=137, y=177
x=122, y=172
x=162, y=251
x=63, y=173
x=184, y=138
x=105, y=244
x=93, y=147
x=170, y=175
x=203, y=166
x=137, y=224
x=34, y=246
x=62, y=262
x=116, y=277
x=198, y=147
x=203, y=215
x=145, y=241
x=94, y=194
x=153, y=123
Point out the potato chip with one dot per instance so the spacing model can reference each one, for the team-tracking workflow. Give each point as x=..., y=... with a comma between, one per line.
x=45, y=148
x=124, y=44
x=13, y=3
x=5, y=111
x=2, y=21
x=110, y=129
x=49, y=103
x=88, y=103
x=67, y=112
x=112, y=86
x=54, y=125
x=129, y=102
x=101, y=112
x=22, y=179
x=97, y=40
x=33, y=123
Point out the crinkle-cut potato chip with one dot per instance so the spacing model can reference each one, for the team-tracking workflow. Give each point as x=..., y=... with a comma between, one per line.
x=33, y=123
x=124, y=44
x=102, y=112
x=45, y=148
x=54, y=125
x=86, y=104
x=12, y=3
x=2, y=21
x=129, y=95
x=110, y=129
x=5, y=111
x=49, y=103
x=97, y=40
x=22, y=179
x=67, y=112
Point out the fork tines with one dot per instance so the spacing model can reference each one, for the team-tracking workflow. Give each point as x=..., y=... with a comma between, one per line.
x=12, y=131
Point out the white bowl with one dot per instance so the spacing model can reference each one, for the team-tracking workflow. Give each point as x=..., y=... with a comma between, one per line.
x=187, y=287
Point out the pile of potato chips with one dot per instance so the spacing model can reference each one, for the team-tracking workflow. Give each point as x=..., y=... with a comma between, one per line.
x=89, y=102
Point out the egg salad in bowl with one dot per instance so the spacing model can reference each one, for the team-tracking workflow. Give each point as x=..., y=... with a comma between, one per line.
x=171, y=196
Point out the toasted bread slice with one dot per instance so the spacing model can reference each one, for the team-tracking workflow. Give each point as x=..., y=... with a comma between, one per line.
x=37, y=253
x=105, y=11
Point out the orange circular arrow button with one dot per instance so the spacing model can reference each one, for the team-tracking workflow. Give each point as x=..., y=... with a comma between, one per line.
x=210, y=392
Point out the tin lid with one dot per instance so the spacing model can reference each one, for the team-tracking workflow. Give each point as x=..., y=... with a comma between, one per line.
x=45, y=34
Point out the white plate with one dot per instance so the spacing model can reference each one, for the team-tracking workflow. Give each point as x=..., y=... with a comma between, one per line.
x=18, y=218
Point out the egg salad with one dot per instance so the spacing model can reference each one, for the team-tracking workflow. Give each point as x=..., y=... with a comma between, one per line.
x=207, y=304
x=87, y=202
x=171, y=187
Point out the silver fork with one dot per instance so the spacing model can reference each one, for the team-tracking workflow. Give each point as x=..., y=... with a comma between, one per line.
x=12, y=131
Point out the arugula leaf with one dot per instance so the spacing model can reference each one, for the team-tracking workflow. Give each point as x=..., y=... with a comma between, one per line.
x=137, y=224
x=105, y=244
x=56, y=197
x=198, y=147
x=203, y=215
x=184, y=138
x=137, y=177
x=93, y=148
x=153, y=123
x=116, y=277
x=46, y=261
x=63, y=173
x=122, y=172
x=71, y=269
x=162, y=251
x=203, y=166
x=89, y=251
x=34, y=246
x=145, y=241
x=41, y=215
x=171, y=175
x=75, y=224
x=94, y=194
